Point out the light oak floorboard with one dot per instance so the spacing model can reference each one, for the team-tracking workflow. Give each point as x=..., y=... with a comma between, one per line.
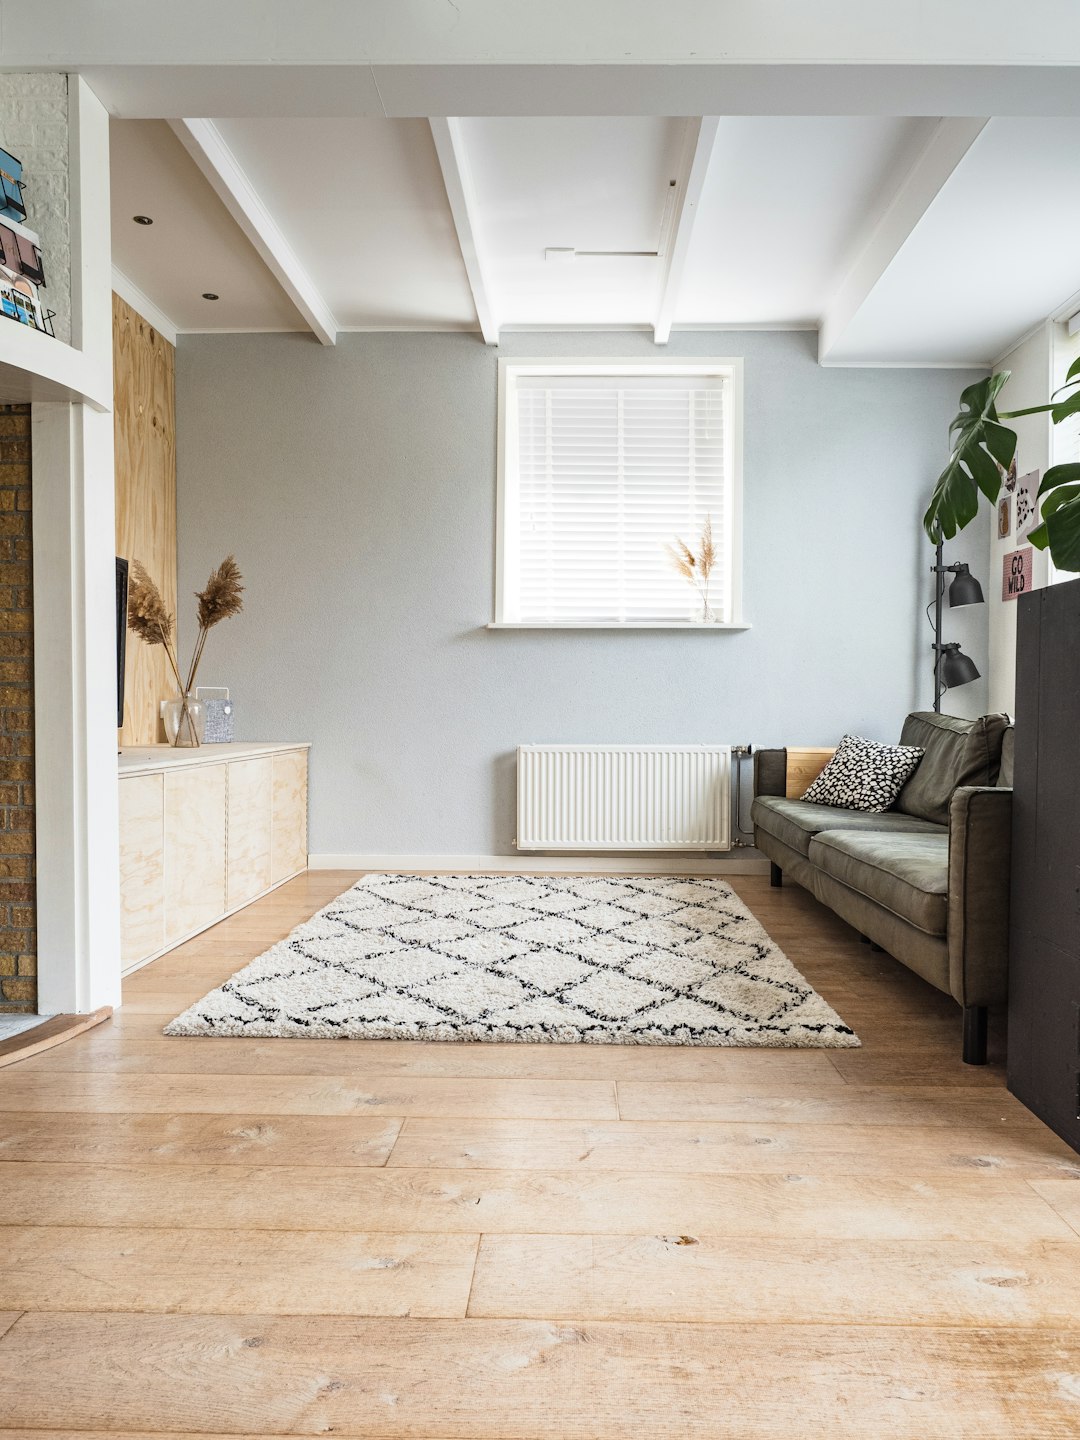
x=778, y=1071
x=960, y=1206
x=700, y=1278
x=523, y=1380
x=207, y=1139
x=807, y=1105
x=190, y=1271
x=1064, y=1196
x=34, y=1090
x=710, y=1148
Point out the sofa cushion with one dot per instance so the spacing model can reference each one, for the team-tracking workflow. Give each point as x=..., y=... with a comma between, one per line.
x=906, y=873
x=957, y=752
x=796, y=822
x=863, y=775
x=1005, y=772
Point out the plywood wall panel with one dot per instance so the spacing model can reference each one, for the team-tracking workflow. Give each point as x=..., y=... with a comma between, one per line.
x=145, y=443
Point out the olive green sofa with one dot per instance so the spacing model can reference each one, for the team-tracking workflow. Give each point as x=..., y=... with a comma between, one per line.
x=928, y=880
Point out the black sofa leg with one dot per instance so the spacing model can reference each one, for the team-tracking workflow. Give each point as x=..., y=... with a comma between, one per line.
x=776, y=875
x=975, y=1034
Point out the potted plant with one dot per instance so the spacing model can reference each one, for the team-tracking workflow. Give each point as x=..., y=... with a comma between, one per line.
x=983, y=449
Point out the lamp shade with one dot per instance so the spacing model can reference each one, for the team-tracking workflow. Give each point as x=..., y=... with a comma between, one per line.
x=956, y=667
x=965, y=589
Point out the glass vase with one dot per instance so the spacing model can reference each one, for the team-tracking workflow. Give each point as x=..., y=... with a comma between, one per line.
x=185, y=721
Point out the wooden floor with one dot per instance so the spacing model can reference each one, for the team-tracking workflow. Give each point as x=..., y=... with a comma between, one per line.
x=507, y=1242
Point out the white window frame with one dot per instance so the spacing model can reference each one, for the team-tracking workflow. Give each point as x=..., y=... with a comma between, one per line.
x=729, y=369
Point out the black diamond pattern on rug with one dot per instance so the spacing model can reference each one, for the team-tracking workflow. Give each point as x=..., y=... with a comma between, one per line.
x=620, y=960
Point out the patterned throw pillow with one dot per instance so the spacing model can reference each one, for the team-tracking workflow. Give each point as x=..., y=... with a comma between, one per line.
x=864, y=775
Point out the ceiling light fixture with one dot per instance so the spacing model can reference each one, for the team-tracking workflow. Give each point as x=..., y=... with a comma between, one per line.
x=142, y=219
x=209, y=295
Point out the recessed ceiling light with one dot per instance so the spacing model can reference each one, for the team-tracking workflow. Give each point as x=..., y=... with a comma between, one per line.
x=142, y=219
x=209, y=295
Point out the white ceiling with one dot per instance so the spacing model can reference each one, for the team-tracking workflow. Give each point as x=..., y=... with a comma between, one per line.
x=908, y=240
x=996, y=252
x=363, y=205
x=193, y=244
x=783, y=210
x=596, y=184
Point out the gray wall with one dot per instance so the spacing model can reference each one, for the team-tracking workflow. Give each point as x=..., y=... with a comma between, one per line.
x=356, y=486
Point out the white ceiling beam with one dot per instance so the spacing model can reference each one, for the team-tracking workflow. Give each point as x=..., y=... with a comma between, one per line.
x=905, y=207
x=60, y=34
x=454, y=162
x=700, y=139
x=206, y=146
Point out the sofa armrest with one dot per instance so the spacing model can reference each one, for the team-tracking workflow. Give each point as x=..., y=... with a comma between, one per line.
x=770, y=772
x=980, y=853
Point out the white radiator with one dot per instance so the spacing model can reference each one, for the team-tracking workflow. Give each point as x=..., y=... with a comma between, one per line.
x=624, y=797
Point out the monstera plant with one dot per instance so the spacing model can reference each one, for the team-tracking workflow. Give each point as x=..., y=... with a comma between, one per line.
x=983, y=450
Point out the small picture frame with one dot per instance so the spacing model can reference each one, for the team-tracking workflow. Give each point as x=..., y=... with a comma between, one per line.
x=1027, y=508
x=1004, y=513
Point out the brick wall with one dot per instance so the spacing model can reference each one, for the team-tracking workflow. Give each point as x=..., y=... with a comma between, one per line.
x=18, y=940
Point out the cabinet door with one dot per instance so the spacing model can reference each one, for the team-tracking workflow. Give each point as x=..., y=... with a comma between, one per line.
x=289, y=850
x=142, y=867
x=194, y=849
x=250, y=795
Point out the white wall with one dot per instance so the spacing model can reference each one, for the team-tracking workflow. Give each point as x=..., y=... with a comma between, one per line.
x=356, y=486
x=1032, y=367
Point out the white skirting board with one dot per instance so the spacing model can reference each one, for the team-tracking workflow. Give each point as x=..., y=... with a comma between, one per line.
x=547, y=864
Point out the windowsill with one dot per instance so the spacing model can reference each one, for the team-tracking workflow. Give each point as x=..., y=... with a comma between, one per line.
x=615, y=625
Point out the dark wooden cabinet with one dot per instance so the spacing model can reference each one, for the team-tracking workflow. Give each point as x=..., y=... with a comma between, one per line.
x=1044, y=954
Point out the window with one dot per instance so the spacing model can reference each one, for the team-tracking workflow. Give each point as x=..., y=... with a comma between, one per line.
x=602, y=465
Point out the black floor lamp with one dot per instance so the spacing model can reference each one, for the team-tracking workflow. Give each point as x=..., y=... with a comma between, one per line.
x=951, y=666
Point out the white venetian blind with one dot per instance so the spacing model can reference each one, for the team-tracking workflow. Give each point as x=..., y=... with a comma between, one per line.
x=607, y=469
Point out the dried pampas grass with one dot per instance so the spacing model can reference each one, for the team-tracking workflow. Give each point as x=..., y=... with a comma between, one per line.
x=221, y=598
x=149, y=618
x=696, y=568
x=147, y=615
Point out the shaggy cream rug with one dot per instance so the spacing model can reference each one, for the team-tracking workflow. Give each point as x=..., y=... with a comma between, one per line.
x=598, y=959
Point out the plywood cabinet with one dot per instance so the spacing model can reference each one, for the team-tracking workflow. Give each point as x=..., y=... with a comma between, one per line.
x=290, y=814
x=249, y=817
x=194, y=849
x=203, y=833
x=142, y=867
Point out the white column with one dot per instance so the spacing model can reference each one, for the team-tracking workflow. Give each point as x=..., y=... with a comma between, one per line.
x=78, y=895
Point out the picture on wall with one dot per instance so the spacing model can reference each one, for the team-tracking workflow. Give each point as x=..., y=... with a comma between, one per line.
x=1016, y=573
x=1004, y=518
x=1027, y=487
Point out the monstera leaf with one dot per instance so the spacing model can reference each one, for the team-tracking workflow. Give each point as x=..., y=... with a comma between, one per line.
x=982, y=449
x=1060, y=528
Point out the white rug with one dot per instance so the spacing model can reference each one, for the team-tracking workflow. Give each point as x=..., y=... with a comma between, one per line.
x=596, y=959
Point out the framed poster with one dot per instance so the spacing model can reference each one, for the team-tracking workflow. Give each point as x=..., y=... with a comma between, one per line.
x=1016, y=573
x=1004, y=517
x=1027, y=509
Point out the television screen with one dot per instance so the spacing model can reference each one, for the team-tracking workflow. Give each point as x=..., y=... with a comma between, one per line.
x=121, y=635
